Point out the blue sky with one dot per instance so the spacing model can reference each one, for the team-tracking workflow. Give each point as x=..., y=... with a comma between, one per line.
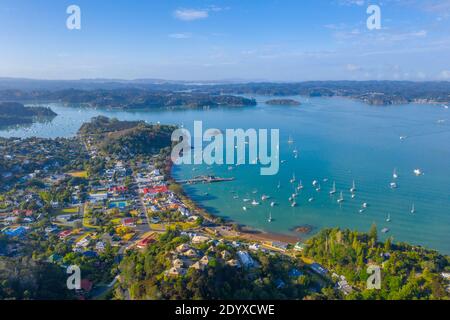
x=278, y=40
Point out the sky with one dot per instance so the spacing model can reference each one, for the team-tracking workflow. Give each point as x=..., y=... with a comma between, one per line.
x=252, y=40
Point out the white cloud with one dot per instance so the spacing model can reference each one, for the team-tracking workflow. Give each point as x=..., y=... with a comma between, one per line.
x=445, y=74
x=191, y=14
x=180, y=35
x=352, y=67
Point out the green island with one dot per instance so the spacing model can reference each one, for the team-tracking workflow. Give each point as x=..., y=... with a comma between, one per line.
x=13, y=113
x=105, y=201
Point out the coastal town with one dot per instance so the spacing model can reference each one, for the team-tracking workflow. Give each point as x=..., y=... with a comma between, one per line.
x=82, y=202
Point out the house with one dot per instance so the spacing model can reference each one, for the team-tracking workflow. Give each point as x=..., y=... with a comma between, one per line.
x=176, y=272
x=344, y=287
x=16, y=232
x=225, y=255
x=100, y=246
x=98, y=197
x=178, y=263
x=254, y=247
x=145, y=242
x=64, y=234
x=199, y=239
x=245, y=258
x=191, y=253
x=205, y=260
x=183, y=248
x=317, y=268
x=233, y=263
x=129, y=222
x=198, y=266
x=280, y=245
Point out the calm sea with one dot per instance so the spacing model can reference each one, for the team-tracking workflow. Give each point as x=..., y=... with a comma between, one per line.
x=337, y=140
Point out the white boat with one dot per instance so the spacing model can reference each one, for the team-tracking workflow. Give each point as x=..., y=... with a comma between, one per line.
x=395, y=174
x=310, y=199
x=290, y=199
x=246, y=200
x=445, y=106
x=294, y=204
x=388, y=219
x=365, y=205
x=353, y=196
x=333, y=191
x=255, y=203
x=385, y=230
x=270, y=217
x=393, y=185
x=293, y=178
x=279, y=185
x=244, y=208
x=418, y=172
x=318, y=188
x=264, y=197
x=361, y=210
x=295, y=153
x=315, y=183
x=353, y=188
x=341, y=198
x=325, y=180
x=403, y=138
x=300, y=185
x=272, y=204
x=413, y=209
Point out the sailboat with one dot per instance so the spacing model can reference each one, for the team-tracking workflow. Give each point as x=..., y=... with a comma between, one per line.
x=293, y=178
x=318, y=188
x=353, y=188
x=395, y=174
x=388, y=219
x=279, y=185
x=413, y=209
x=341, y=198
x=300, y=186
x=295, y=153
x=270, y=217
x=333, y=191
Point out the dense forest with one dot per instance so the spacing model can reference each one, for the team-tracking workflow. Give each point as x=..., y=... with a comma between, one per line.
x=128, y=137
x=407, y=272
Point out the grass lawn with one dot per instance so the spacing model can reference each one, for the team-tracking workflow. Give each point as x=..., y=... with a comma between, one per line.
x=78, y=174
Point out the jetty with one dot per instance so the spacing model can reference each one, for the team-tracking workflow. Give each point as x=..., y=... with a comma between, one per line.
x=204, y=179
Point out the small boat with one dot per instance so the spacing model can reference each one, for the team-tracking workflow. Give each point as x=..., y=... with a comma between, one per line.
x=445, y=106
x=365, y=205
x=236, y=197
x=279, y=185
x=325, y=180
x=264, y=197
x=318, y=188
x=294, y=195
x=255, y=203
x=272, y=204
x=395, y=174
x=361, y=210
x=393, y=185
x=295, y=153
x=270, y=217
x=244, y=208
x=353, y=188
x=385, y=230
x=413, y=209
x=403, y=138
x=315, y=183
x=246, y=200
x=388, y=219
x=418, y=172
x=293, y=178
x=294, y=204
x=300, y=185
x=333, y=191
x=353, y=196
x=341, y=198
x=290, y=199
x=311, y=199
x=255, y=191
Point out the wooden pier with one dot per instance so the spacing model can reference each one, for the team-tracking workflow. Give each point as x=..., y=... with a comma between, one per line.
x=204, y=179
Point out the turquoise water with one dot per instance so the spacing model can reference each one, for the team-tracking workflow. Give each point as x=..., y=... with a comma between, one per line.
x=338, y=139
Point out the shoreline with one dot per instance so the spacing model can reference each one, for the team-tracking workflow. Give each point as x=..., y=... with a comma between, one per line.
x=246, y=232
